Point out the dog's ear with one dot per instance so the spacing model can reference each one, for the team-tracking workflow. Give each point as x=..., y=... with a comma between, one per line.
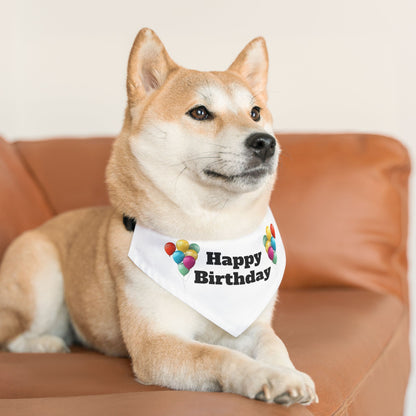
x=148, y=67
x=252, y=64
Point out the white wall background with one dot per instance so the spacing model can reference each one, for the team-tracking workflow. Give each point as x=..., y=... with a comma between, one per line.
x=335, y=65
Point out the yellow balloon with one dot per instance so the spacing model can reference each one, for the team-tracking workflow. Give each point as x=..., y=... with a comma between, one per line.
x=268, y=244
x=182, y=245
x=191, y=253
x=268, y=233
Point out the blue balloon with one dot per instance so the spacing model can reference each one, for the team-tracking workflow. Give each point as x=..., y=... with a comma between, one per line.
x=178, y=256
x=273, y=243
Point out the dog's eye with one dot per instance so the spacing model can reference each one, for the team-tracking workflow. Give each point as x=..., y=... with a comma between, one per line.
x=200, y=113
x=255, y=113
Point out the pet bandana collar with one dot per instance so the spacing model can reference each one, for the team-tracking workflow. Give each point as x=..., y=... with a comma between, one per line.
x=229, y=282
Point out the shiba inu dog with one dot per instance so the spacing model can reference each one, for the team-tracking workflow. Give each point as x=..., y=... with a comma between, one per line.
x=196, y=153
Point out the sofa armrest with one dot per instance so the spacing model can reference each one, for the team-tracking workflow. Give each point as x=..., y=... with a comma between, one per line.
x=22, y=204
x=341, y=205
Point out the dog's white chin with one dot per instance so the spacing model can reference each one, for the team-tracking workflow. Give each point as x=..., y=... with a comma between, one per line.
x=237, y=184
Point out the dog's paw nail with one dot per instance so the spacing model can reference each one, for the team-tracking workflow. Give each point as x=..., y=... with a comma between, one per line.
x=260, y=396
x=264, y=394
x=267, y=392
x=293, y=393
x=283, y=399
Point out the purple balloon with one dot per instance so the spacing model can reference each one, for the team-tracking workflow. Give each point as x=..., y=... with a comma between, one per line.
x=270, y=253
x=188, y=262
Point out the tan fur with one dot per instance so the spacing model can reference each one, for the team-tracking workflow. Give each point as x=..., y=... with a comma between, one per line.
x=72, y=277
x=15, y=315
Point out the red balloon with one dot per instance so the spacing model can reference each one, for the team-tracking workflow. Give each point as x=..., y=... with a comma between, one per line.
x=272, y=230
x=170, y=248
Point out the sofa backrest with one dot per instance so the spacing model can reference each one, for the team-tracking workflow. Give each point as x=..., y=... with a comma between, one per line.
x=69, y=171
x=340, y=202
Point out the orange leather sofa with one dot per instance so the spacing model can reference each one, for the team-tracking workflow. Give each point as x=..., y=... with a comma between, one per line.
x=341, y=205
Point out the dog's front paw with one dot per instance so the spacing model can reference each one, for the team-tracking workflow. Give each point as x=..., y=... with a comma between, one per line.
x=281, y=385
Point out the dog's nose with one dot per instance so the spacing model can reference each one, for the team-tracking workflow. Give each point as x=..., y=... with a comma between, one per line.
x=263, y=145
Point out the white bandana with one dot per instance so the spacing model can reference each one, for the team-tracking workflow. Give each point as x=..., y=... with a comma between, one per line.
x=229, y=282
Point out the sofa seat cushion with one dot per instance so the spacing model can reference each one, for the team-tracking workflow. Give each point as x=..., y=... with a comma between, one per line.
x=341, y=337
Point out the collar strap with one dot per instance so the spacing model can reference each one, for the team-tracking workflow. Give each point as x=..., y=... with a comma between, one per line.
x=129, y=223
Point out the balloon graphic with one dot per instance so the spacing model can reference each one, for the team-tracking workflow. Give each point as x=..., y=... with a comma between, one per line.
x=182, y=245
x=194, y=246
x=269, y=242
x=178, y=256
x=267, y=245
x=183, y=254
x=183, y=270
x=191, y=253
x=188, y=262
x=170, y=248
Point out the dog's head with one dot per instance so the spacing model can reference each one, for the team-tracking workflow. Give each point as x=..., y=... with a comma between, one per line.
x=191, y=132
